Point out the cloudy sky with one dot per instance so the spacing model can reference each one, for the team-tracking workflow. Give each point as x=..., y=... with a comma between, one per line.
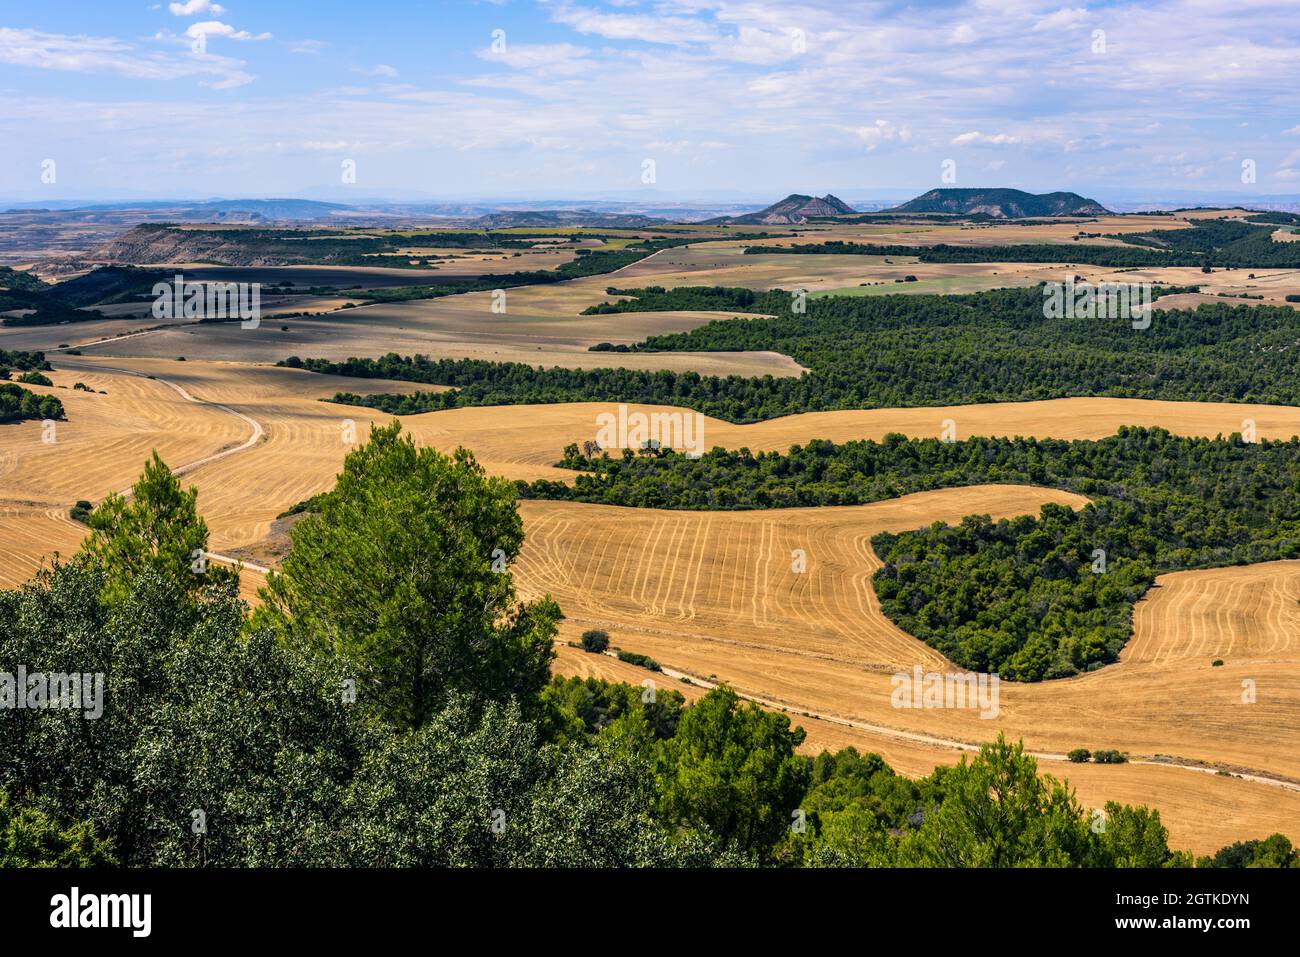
x=571, y=98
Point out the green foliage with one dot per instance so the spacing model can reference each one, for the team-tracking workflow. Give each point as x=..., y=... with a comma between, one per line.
x=201, y=715
x=157, y=528
x=108, y=285
x=595, y=641
x=402, y=571
x=990, y=811
x=17, y=403
x=1108, y=757
x=638, y=659
x=1133, y=837
x=1017, y=597
x=479, y=791
x=1079, y=756
x=1273, y=851
x=29, y=838
x=731, y=773
x=40, y=304
x=578, y=708
x=997, y=812
x=35, y=378
x=23, y=360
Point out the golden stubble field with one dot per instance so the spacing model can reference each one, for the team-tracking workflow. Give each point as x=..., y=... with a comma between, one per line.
x=715, y=595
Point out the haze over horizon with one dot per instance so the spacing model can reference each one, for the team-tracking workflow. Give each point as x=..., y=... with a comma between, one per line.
x=731, y=101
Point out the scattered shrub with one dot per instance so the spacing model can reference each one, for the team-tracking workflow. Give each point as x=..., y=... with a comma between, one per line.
x=595, y=641
x=643, y=661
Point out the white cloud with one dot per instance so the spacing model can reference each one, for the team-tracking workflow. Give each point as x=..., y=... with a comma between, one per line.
x=674, y=30
x=215, y=28
x=530, y=56
x=605, y=79
x=976, y=138
x=191, y=7
x=83, y=54
x=1062, y=19
x=882, y=131
x=379, y=69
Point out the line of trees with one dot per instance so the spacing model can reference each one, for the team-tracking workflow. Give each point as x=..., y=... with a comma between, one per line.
x=889, y=352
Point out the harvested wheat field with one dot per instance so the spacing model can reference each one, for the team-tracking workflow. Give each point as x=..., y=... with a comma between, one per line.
x=453, y=326
x=534, y=436
x=1242, y=612
x=718, y=594
x=714, y=596
x=1203, y=813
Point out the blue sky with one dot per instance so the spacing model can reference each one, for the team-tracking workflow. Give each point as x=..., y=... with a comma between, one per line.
x=571, y=98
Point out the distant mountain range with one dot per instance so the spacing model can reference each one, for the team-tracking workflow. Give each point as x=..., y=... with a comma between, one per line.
x=795, y=208
x=1002, y=204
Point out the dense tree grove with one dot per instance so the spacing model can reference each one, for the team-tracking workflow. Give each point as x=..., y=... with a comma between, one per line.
x=228, y=741
x=17, y=403
x=890, y=351
x=23, y=361
x=1021, y=597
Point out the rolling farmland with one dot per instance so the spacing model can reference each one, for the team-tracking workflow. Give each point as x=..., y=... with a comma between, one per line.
x=777, y=603
x=713, y=595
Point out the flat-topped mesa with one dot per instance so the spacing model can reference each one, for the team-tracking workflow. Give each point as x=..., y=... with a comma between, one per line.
x=1001, y=203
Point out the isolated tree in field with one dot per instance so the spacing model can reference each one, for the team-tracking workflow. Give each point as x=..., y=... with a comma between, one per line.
x=595, y=641
x=403, y=571
x=731, y=772
x=158, y=528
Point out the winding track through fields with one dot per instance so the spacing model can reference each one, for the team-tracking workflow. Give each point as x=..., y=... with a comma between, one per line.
x=953, y=743
x=253, y=438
